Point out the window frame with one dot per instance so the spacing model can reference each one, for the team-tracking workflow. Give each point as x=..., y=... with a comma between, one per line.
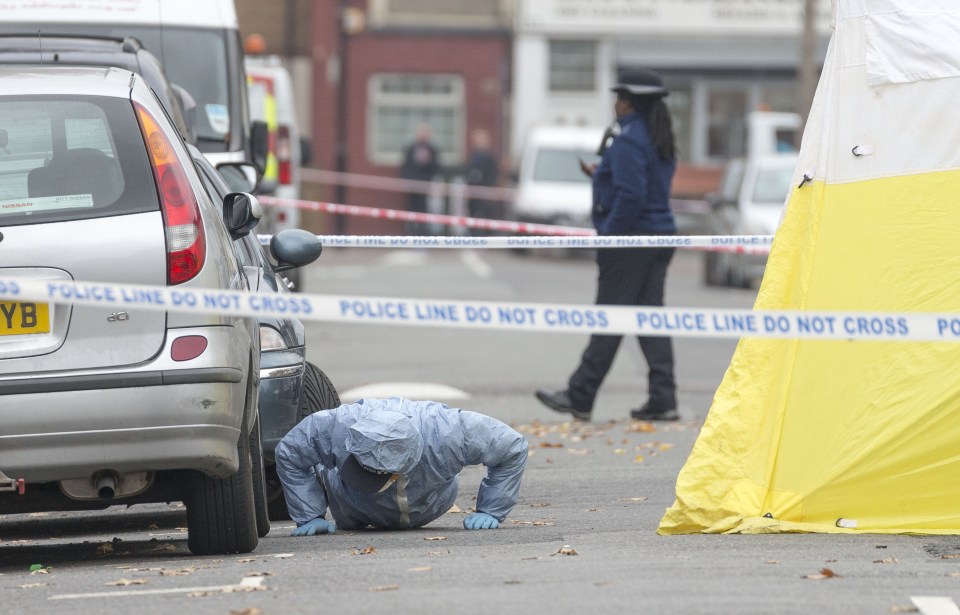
x=377, y=99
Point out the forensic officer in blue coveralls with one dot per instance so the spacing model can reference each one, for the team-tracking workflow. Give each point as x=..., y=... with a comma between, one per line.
x=631, y=196
x=395, y=464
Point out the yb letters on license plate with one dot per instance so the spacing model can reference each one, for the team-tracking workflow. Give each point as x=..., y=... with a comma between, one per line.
x=23, y=317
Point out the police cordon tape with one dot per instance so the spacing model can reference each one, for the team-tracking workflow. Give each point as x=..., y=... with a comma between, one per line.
x=745, y=244
x=735, y=244
x=484, y=315
x=451, y=189
x=505, y=226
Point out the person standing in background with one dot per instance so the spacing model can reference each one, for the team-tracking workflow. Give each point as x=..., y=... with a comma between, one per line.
x=482, y=170
x=631, y=196
x=420, y=163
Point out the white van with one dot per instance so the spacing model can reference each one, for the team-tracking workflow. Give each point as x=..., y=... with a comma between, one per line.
x=271, y=98
x=551, y=188
x=198, y=44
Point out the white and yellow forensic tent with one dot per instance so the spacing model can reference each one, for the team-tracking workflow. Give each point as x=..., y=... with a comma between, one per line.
x=852, y=436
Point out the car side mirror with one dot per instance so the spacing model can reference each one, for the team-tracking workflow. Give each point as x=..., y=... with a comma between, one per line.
x=293, y=248
x=188, y=108
x=306, y=151
x=259, y=145
x=239, y=176
x=241, y=212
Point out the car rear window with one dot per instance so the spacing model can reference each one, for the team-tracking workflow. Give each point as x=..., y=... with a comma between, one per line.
x=562, y=165
x=71, y=158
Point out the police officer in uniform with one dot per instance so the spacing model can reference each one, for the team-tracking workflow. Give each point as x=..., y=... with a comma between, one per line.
x=631, y=196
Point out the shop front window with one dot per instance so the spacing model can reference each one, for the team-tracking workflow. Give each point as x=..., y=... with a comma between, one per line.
x=726, y=132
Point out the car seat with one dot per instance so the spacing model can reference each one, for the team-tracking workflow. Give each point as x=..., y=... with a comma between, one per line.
x=78, y=171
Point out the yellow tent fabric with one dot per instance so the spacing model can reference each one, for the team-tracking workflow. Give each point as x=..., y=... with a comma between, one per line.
x=852, y=436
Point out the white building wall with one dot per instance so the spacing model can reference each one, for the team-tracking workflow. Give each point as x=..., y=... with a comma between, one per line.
x=704, y=45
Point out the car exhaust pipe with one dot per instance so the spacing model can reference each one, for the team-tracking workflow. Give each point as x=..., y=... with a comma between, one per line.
x=106, y=486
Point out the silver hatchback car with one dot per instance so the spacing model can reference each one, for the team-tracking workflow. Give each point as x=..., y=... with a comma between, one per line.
x=101, y=406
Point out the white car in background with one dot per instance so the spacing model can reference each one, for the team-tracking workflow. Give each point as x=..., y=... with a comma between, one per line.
x=750, y=201
x=551, y=188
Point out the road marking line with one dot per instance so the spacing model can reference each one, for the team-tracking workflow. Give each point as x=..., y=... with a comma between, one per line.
x=246, y=584
x=935, y=605
x=410, y=390
x=476, y=265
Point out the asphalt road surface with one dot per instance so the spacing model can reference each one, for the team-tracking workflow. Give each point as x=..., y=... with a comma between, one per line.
x=582, y=537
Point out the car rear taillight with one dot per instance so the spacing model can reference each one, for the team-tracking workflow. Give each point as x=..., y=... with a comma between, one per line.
x=186, y=245
x=284, y=155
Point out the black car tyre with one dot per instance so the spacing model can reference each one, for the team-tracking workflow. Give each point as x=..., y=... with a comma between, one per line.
x=318, y=394
x=260, y=501
x=220, y=511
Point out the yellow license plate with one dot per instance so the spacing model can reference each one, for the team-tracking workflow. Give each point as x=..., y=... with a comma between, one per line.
x=24, y=317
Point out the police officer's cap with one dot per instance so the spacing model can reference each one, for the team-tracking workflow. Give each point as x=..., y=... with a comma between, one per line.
x=640, y=82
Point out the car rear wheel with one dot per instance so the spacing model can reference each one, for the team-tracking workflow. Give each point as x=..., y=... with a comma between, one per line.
x=318, y=394
x=220, y=511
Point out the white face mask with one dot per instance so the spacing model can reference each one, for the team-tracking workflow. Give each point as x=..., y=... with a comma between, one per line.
x=392, y=480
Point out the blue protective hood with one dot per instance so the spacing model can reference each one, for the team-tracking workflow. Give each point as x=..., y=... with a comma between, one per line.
x=386, y=440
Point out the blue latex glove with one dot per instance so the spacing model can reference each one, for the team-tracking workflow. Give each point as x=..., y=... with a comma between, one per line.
x=317, y=526
x=480, y=521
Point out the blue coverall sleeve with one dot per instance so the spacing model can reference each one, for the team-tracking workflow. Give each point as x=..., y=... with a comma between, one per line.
x=630, y=193
x=304, y=447
x=503, y=451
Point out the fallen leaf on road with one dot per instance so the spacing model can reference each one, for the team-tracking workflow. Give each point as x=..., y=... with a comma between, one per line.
x=126, y=582
x=638, y=459
x=640, y=427
x=886, y=560
x=549, y=460
x=566, y=550
x=165, y=547
x=40, y=571
x=539, y=504
x=603, y=584
x=592, y=509
x=420, y=569
x=251, y=611
x=454, y=509
x=640, y=499
x=537, y=522
x=825, y=573
x=153, y=526
x=773, y=561
x=365, y=551
x=32, y=585
x=665, y=446
x=950, y=556
x=904, y=608
x=953, y=574
x=435, y=538
x=104, y=549
x=619, y=451
x=384, y=588
x=177, y=573
x=283, y=555
x=550, y=445
x=246, y=560
x=578, y=451
x=259, y=574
